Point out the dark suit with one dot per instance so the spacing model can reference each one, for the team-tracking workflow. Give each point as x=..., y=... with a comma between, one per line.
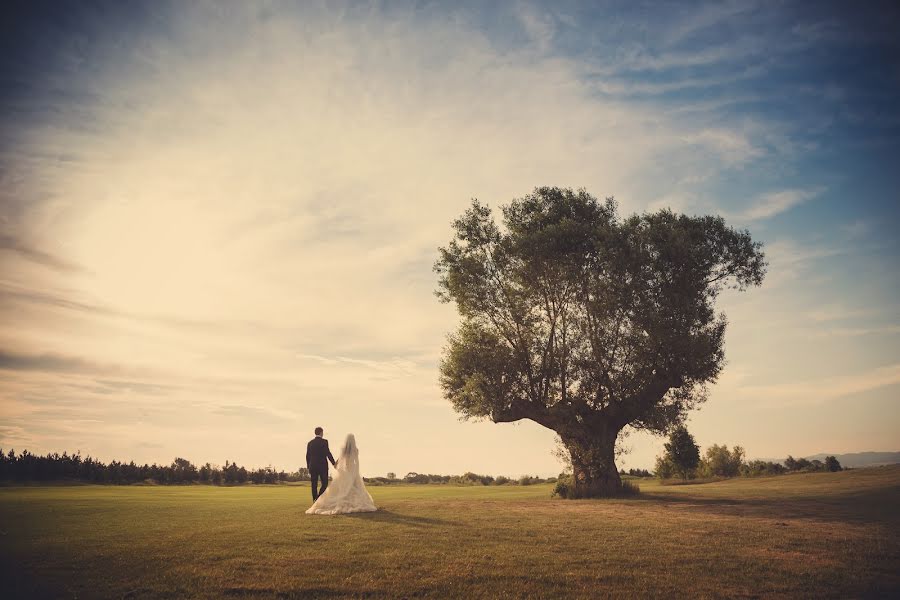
x=317, y=457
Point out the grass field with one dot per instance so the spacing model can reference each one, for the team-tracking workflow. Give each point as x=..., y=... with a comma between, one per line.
x=811, y=535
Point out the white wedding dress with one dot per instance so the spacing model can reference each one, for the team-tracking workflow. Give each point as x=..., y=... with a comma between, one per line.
x=346, y=493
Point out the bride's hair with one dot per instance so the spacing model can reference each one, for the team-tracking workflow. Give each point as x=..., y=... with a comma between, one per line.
x=350, y=444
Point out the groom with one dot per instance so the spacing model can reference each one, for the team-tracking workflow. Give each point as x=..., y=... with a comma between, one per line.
x=316, y=454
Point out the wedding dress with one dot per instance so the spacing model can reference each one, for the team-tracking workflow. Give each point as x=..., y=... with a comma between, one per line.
x=346, y=493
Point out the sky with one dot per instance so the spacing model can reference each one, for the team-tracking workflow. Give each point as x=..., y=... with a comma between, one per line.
x=218, y=220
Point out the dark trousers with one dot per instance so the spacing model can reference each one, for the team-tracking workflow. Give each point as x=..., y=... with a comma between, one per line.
x=315, y=476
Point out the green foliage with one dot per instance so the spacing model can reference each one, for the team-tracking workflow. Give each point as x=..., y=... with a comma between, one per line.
x=756, y=468
x=565, y=488
x=665, y=468
x=470, y=478
x=585, y=322
x=529, y=480
x=801, y=464
x=718, y=461
x=59, y=467
x=636, y=473
x=682, y=452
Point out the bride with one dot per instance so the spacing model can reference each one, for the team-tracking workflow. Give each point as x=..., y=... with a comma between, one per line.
x=347, y=492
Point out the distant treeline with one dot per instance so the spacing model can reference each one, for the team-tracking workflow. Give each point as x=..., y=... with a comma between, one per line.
x=72, y=467
x=59, y=467
x=682, y=459
x=467, y=478
x=636, y=472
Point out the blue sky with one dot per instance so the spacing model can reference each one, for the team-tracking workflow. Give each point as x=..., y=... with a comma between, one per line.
x=218, y=220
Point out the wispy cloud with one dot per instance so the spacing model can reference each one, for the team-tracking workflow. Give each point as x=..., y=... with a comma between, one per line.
x=828, y=388
x=13, y=361
x=858, y=331
x=698, y=19
x=834, y=312
x=617, y=86
x=24, y=249
x=774, y=203
x=540, y=26
x=258, y=414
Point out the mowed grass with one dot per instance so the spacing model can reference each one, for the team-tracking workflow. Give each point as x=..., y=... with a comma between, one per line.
x=812, y=535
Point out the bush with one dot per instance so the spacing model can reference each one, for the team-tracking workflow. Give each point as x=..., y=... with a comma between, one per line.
x=757, y=468
x=470, y=478
x=565, y=488
x=832, y=464
x=665, y=469
x=720, y=462
x=640, y=473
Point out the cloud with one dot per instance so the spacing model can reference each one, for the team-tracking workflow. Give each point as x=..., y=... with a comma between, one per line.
x=734, y=147
x=141, y=387
x=257, y=414
x=56, y=299
x=25, y=250
x=857, y=229
x=11, y=361
x=774, y=203
x=859, y=331
x=540, y=26
x=699, y=19
x=835, y=312
x=629, y=87
x=828, y=388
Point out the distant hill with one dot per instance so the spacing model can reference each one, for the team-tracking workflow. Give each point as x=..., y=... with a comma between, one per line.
x=854, y=459
x=861, y=459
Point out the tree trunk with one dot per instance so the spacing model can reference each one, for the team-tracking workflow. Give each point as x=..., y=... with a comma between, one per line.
x=593, y=456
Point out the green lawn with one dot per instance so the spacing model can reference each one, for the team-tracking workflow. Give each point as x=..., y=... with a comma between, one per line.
x=814, y=535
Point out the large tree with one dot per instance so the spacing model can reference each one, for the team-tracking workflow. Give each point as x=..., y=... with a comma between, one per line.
x=585, y=322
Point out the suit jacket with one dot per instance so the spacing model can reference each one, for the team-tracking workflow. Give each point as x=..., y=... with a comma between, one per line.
x=318, y=455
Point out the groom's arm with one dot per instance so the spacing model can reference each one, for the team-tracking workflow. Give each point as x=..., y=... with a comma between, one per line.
x=330, y=457
x=307, y=457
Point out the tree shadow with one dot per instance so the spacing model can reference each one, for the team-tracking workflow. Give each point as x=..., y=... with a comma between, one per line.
x=386, y=516
x=863, y=507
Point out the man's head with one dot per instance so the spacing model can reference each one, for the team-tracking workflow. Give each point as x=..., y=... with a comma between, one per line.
x=319, y=431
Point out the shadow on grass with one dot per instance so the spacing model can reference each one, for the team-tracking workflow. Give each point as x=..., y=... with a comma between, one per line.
x=866, y=506
x=311, y=593
x=386, y=516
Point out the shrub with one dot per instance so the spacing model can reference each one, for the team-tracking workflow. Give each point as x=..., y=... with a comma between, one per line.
x=720, y=462
x=756, y=468
x=565, y=488
x=832, y=464
x=470, y=478
x=664, y=467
